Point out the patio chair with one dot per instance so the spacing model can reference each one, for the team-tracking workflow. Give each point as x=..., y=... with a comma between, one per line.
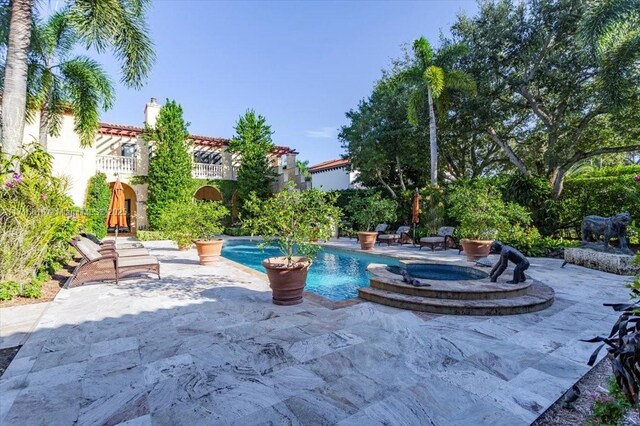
x=111, y=242
x=401, y=236
x=108, y=266
x=443, y=238
x=122, y=252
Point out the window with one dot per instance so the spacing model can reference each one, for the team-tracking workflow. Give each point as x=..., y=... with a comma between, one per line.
x=206, y=157
x=128, y=150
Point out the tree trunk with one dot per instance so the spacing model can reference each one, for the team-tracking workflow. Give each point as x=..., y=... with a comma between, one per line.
x=400, y=173
x=433, y=144
x=43, y=131
x=14, y=97
x=385, y=184
x=557, y=182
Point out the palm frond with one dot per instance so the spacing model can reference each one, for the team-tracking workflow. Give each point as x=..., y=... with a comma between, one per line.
x=118, y=25
x=460, y=80
x=434, y=79
x=416, y=105
x=602, y=16
x=423, y=51
x=58, y=34
x=450, y=54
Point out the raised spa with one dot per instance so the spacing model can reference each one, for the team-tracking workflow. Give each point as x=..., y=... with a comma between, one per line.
x=436, y=271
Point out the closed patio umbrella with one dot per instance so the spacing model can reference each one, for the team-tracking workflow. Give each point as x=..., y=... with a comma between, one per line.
x=116, y=215
x=415, y=213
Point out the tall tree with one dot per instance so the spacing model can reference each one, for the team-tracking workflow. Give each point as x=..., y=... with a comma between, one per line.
x=252, y=143
x=116, y=25
x=58, y=81
x=169, y=176
x=539, y=94
x=431, y=74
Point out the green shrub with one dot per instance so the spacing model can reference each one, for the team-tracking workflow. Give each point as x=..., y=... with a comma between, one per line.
x=9, y=289
x=96, y=205
x=610, y=409
x=185, y=221
x=236, y=231
x=529, y=241
x=481, y=212
x=33, y=289
x=151, y=235
x=368, y=211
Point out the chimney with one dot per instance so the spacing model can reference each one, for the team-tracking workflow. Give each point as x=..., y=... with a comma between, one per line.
x=151, y=111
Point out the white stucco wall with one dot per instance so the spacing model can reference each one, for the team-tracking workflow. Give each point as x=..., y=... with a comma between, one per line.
x=330, y=180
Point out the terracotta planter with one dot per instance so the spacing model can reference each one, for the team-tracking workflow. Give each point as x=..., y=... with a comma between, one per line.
x=475, y=249
x=367, y=240
x=209, y=251
x=287, y=284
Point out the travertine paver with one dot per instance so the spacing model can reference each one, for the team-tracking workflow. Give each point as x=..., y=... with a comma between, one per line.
x=204, y=345
x=16, y=322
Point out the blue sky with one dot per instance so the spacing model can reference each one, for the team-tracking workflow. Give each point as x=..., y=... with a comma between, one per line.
x=300, y=64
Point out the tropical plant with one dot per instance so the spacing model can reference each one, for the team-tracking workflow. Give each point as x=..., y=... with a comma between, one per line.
x=368, y=211
x=293, y=220
x=187, y=220
x=59, y=81
x=117, y=25
x=431, y=74
x=170, y=164
x=252, y=144
x=96, y=205
x=482, y=213
x=303, y=167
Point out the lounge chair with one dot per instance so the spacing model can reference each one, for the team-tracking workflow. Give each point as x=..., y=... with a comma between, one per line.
x=443, y=238
x=108, y=265
x=401, y=236
x=112, y=242
x=122, y=252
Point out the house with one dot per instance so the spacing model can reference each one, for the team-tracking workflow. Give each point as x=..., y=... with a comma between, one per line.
x=333, y=175
x=120, y=152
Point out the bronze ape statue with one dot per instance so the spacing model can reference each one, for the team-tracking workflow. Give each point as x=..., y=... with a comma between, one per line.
x=608, y=227
x=508, y=253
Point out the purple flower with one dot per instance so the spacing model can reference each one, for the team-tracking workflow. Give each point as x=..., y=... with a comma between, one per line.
x=9, y=184
x=43, y=197
x=17, y=177
x=638, y=179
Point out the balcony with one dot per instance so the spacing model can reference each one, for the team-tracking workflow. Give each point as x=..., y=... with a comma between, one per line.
x=213, y=171
x=115, y=164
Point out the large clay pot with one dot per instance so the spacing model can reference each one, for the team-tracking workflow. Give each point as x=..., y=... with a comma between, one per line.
x=475, y=249
x=367, y=240
x=287, y=283
x=209, y=251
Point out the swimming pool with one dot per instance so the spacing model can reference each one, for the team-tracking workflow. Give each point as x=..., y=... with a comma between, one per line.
x=335, y=274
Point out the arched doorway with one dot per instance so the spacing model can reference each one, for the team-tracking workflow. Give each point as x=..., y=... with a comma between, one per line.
x=208, y=193
x=130, y=206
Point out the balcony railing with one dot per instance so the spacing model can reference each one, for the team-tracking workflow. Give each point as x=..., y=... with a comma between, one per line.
x=208, y=171
x=116, y=164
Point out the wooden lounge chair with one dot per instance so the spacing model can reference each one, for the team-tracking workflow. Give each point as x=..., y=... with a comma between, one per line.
x=443, y=238
x=108, y=265
x=122, y=252
x=401, y=236
x=96, y=240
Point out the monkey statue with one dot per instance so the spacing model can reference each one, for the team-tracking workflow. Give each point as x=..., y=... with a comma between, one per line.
x=508, y=253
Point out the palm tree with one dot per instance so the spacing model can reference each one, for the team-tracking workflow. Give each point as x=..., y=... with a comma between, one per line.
x=57, y=82
x=116, y=25
x=610, y=30
x=431, y=75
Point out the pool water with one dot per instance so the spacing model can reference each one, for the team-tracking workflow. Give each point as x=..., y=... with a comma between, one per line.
x=433, y=271
x=335, y=274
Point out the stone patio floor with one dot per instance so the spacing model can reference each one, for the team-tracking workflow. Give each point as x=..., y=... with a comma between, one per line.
x=204, y=345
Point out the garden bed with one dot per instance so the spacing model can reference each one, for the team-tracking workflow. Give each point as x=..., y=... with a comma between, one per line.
x=49, y=289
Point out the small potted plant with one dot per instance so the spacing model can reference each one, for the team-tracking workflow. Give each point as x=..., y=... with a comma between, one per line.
x=291, y=220
x=199, y=221
x=367, y=212
x=483, y=216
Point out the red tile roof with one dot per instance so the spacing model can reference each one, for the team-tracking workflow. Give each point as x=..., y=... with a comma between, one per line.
x=133, y=131
x=328, y=165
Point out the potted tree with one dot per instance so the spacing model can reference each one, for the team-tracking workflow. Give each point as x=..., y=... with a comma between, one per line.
x=366, y=212
x=195, y=221
x=483, y=216
x=291, y=220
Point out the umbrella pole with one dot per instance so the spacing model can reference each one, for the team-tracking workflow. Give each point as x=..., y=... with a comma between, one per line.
x=115, y=243
x=414, y=234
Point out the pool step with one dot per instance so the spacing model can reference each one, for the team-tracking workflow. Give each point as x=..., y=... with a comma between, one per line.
x=459, y=290
x=536, y=298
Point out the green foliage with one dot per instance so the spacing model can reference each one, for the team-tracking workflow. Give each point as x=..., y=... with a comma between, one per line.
x=609, y=409
x=9, y=289
x=151, y=235
x=237, y=231
x=482, y=213
x=185, y=221
x=432, y=208
x=368, y=211
x=293, y=220
x=96, y=205
x=252, y=143
x=170, y=165
x=529, y=241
